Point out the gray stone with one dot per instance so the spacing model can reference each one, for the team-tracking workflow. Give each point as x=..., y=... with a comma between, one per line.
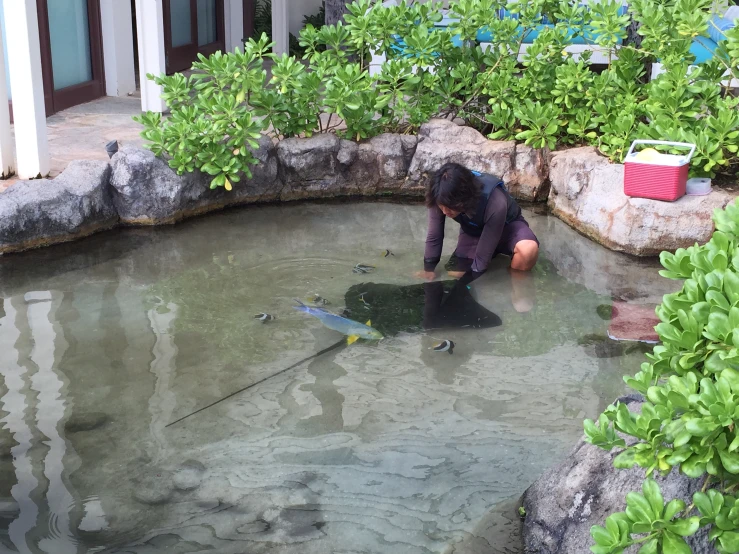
x=530, y=178
x=381, y=164
x=146, y=191
x=309, y=167
x=567, y=500
x=587, y=193
x=394, y=156
x=441, y=141
x=347, y=153
x=325, y=166
x=363, y=177
x=41, y=212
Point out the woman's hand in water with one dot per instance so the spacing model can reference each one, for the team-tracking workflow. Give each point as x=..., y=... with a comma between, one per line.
x=456, y=274
x=428, y=275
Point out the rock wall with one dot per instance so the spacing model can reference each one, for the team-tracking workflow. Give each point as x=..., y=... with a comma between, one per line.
x=41, y=212
x=565, y=502
x=587, y=193
x=584, y=189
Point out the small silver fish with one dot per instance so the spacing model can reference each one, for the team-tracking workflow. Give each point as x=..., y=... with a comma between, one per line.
x=264, y=318
x=362, y=268
x=445, y=346
x=387, y=253
x=318, y=300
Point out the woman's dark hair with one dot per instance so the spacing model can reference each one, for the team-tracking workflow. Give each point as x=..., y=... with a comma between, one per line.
x=455, y=187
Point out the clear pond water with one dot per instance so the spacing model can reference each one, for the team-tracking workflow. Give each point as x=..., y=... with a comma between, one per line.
x=370, y=448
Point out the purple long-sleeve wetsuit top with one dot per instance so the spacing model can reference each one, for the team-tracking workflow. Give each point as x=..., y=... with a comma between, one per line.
x=494, y=222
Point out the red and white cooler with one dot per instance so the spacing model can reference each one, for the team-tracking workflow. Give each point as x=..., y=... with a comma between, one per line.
x=657, y=176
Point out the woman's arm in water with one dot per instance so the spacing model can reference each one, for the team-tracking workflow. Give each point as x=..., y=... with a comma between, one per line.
x=434, y=239
x=495, y=216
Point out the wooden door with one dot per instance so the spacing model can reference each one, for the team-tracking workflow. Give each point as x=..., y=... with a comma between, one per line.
x=250, y=12
x=70, y=37
x=191, y=27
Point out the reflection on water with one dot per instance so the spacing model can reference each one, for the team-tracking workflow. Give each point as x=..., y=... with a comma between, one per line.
x=387, y=447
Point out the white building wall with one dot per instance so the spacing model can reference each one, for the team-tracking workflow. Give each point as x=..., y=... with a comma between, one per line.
x=233, y=12
x=118, y=47
x=298, y=10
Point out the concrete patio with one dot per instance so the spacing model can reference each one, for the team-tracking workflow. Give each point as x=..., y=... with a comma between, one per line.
x=81, y=132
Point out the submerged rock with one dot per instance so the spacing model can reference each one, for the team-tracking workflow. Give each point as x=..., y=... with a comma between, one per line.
x=634, y=322
x=587, y=193
x=565, y=502
x=47, y=211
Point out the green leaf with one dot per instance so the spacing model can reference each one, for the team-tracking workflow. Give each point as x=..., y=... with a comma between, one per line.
x=638, y=509
x=685, y=527
x=654, y=497
x=625, y=459
x=729, y=541
x=730, y=461
x=672, y=544
x=649, y=547
x=673, y=508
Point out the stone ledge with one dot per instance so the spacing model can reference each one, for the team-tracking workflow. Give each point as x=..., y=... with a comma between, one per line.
x=43, y=212
x=583, y=188
x=587, y=193
x=583, y=490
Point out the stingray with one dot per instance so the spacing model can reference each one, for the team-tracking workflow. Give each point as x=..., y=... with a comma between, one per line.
x=397, y=309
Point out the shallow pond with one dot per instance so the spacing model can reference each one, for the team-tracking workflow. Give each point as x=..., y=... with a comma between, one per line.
x=375, y=447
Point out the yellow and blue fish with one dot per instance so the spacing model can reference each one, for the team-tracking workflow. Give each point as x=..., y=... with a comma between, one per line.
x=352, y=329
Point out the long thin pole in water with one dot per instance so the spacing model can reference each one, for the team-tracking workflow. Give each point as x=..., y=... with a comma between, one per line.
x=296, y=364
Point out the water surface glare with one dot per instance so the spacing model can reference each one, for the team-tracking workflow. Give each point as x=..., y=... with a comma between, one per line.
x=370, y=448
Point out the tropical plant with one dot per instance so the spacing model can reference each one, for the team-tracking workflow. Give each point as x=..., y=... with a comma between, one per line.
x=547, y=99
x=688, y=422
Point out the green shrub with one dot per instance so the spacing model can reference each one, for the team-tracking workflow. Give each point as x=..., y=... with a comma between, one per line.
x=547, y=100
x=688, y=421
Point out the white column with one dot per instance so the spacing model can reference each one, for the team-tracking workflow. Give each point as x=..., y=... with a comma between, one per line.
x=280, y=27
x=234, y=15
x=27, y=86
x=7, y=159
x=150, y=29
x=117, y=24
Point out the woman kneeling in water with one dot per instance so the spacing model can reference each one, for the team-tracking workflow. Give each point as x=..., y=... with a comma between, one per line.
x=490, y=220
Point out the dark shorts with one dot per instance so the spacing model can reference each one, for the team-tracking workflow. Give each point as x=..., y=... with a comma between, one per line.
x=513, y=233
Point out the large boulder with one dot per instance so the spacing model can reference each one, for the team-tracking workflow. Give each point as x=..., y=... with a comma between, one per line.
x=325, y=166
x=146, y=191
x=440, y=141
x=565, y=502
x=529, y=179
x=310, y=167
x=37, y=213
x=587, y=193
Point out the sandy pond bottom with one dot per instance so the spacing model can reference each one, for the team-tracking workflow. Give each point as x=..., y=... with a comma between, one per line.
x=376, y=447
